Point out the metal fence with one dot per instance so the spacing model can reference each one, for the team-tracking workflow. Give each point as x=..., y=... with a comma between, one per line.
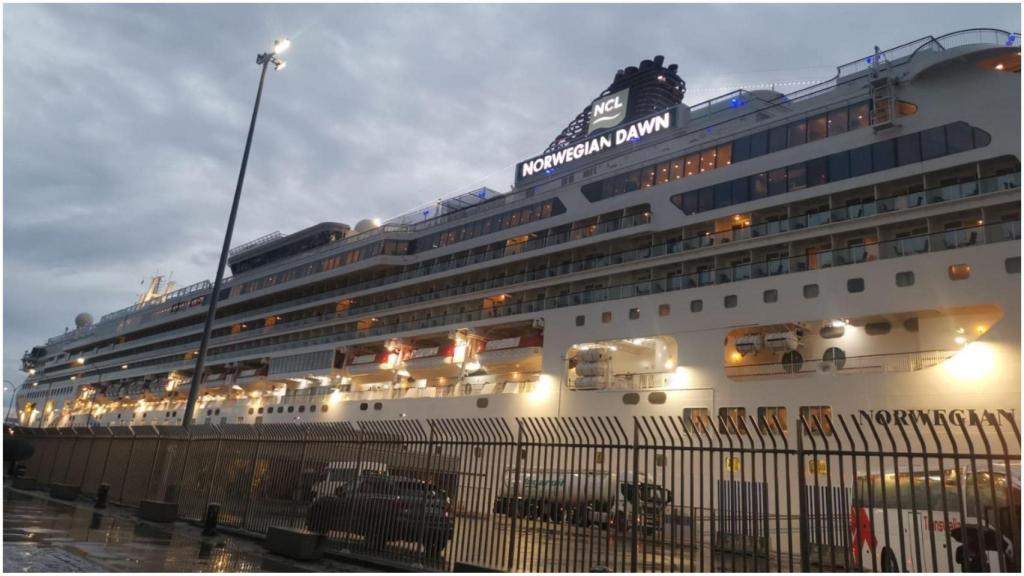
x=879, y=491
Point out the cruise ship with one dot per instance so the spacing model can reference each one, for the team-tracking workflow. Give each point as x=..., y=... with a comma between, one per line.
x=853, y=247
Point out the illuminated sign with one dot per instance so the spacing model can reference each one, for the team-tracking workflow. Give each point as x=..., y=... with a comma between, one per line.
x=608, y=111
x=549, y=162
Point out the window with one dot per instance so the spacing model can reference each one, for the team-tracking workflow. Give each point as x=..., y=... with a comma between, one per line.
x=777, y=181
x=280, y=409
x=911, y=325
x=634, y=313
x=664, y=310
x=854, y=285
x=883, y=155
x=731, y=301
x=581, y=320
x=707, y=160
x=792, y=361
x=606, y=317
x=696, y=305
x=908, y=149
x=741, y=149
x=838, y=166
x=291, y=409
x=740, y=190
x=860, y=115
x=832, y=330
x=959, y=272
x=732, y=420
x=959, y=138
x=817, y=418
x=772, y=419
x=797, y=176
x=696, y=419
x=810, y=290
x=834, y=357
x=323, y=408
x=771, y=296
x=860, y=161
x=250, y=412
x=724, y=155
x=933, y=143
x=817, y=128
x=707, y=199
x=723, y=194
x=758, y=186
x=904, y=279
x=1012, y=265
x=838, y=122
x=302, y=408
x=817, y=172
x=777, y=139
x=797, y=133
x=879, y=328
x=758, y=144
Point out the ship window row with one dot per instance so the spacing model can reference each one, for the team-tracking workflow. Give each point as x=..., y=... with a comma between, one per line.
x=467, y=231
x=635, y=284
x=831, y=123
x=909, y=149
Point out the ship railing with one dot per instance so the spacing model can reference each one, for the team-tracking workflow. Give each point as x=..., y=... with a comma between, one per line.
x=265, y=239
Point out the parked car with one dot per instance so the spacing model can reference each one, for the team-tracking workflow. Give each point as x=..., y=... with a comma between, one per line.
x=385, y=509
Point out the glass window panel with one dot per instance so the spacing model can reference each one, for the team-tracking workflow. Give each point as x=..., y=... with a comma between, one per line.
x=797, y=133
x=741, y=149
x=838, y=166
x=724, y=155
x=838, y=121
x=933, y=143
x=759, y=144
x=860, y=161
x=817, y=171
x=860, y=116
x=777, y=139
x=692, y=164
x=707, y=199
x=908, y=149
x=883, y=155
x=707, y=160
x=740, y=190
x=648, y=176
x=777, y=181
x=723, y=194
x=797, y=176
x=690, y=200
x=633, y=181
x=758, y=186
x=817, y=128
x=958, y=138
x=677, y=169
x=664, y=172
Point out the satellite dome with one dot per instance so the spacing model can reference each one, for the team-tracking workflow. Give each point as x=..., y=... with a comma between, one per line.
x=83, y=320
x=366, y=224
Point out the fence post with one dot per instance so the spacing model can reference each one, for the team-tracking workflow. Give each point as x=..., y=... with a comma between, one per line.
x=152, y=469
x=515, y=496
x=216, y=465
x=805, y=558
x=634, y=482
x=127, y=466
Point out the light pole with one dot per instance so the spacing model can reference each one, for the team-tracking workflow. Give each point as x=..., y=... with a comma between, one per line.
x=14, y=389
x=263, y=60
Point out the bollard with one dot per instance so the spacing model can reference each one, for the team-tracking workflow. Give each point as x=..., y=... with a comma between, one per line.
x=101, y=495
x=210, y=524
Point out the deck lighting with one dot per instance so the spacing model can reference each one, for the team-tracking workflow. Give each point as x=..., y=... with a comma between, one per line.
x=31, y=371
x=80, y=360
x=999, y=66
x=124, y=366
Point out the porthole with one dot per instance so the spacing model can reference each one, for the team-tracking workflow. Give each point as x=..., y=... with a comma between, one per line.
x=323, y=408
x=834, y=356
x=904, y=279
x=830, y=331
x=302, y=408
x=1013, y=265
x=731, y=301
x=910, y=325
x=878, y=328
x=363, y=406
x=696, y=305
x=482, y=402
x=656, y=397
x=378, y=405
x=250, y=412
x=664, y=310
x=810, y=290
x=291, y=409
x=606, y=317
x=631, y=398
x=854, y=285
x=581, y=320
x=792, y=362
x=280, y=409
x=634, y=313
x=259, y=410
x=771, y=296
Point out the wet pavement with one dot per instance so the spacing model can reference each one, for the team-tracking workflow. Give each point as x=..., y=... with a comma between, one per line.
x=45, y=535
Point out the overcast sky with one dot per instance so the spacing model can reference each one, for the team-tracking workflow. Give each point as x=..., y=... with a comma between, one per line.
x=124, y=124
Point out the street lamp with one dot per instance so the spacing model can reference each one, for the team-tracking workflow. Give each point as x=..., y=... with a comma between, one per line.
x=263, y=60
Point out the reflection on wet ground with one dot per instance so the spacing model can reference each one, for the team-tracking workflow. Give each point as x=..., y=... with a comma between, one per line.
x=43, y=535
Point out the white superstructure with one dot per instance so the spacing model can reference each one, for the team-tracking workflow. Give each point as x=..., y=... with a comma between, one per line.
x=854, y=246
